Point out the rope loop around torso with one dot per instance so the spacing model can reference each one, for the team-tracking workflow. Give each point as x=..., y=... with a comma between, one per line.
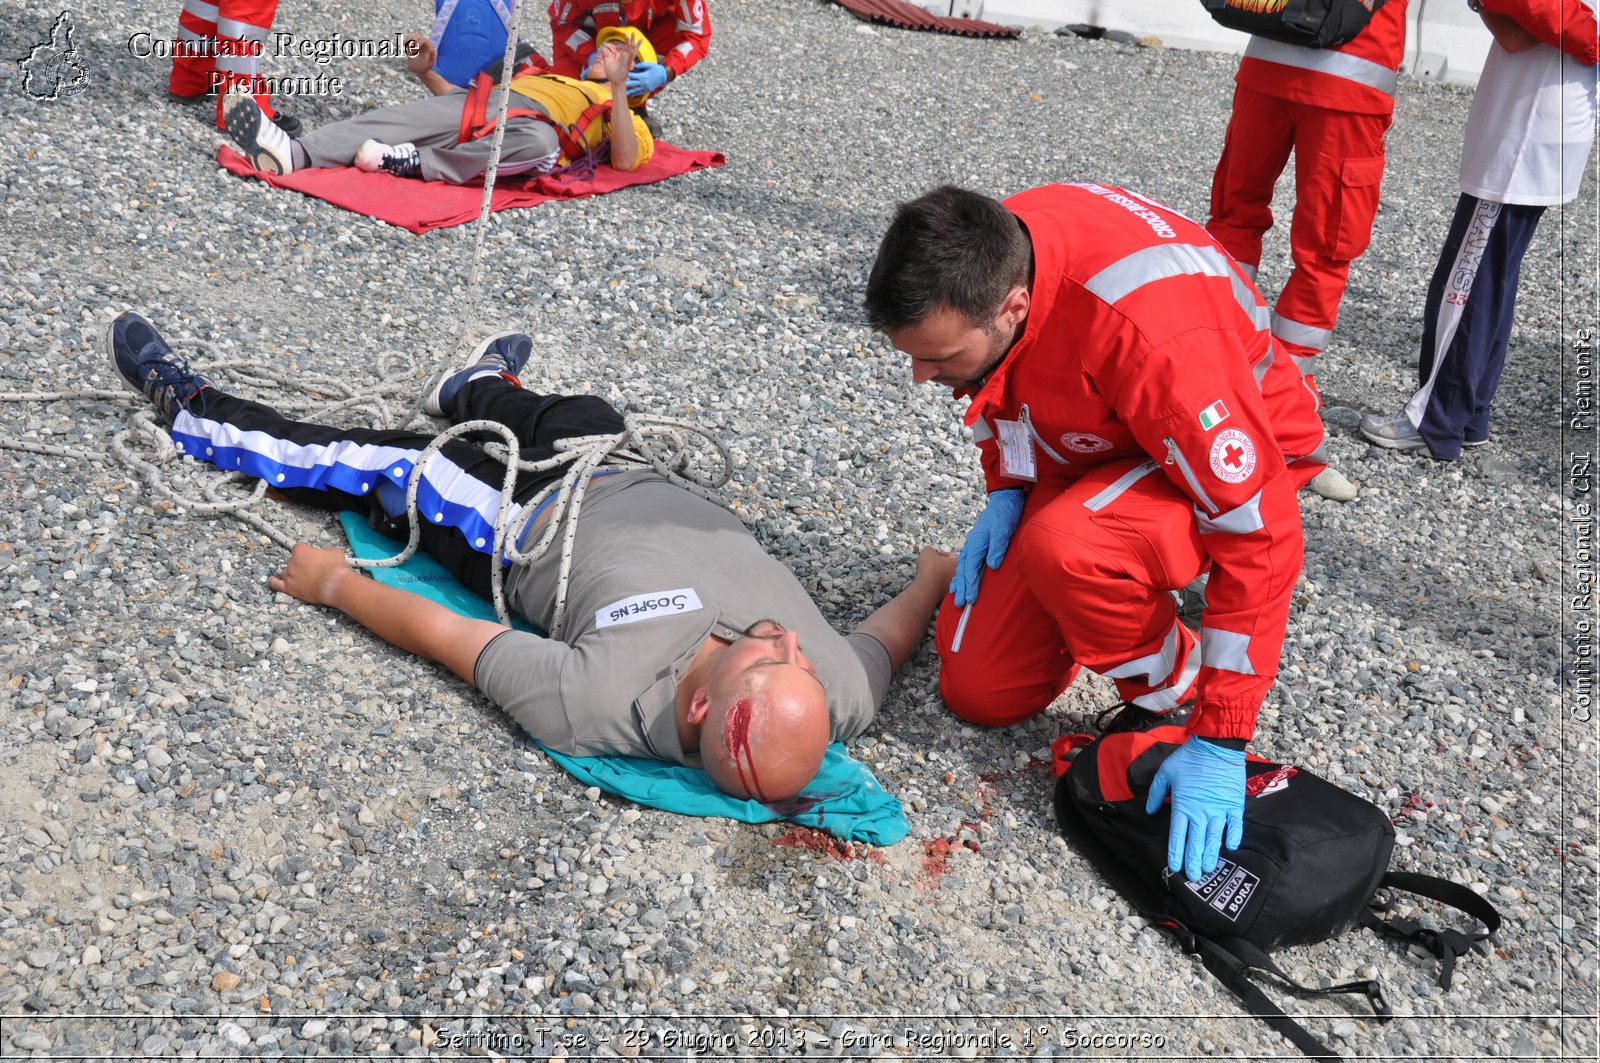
x=661, y=444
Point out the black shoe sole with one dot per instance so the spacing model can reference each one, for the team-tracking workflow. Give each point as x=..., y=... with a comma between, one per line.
x=243, y=124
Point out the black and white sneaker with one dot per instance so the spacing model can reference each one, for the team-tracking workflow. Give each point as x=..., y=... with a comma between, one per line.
x=402, y=160
x=263, y=142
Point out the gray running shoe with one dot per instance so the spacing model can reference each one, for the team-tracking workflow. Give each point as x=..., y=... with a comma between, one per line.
x=1396, y=432
x=402, y=160
x=503, y=355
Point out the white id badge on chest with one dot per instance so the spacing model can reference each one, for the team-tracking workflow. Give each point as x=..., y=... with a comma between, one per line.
x=1016, y=450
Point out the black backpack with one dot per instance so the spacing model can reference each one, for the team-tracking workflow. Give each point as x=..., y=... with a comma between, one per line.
x=1313, y=864
x=1308, y=23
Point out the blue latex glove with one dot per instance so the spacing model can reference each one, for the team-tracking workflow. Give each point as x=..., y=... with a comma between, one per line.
x=1207, y=785
x=589, y=62
x=645, y=78
x=987, y=542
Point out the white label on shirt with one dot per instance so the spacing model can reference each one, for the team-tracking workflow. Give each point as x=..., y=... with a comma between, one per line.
x=648, y=606
x=1016, y=450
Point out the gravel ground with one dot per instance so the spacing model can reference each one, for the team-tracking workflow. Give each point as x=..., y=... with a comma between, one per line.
x=231, y=824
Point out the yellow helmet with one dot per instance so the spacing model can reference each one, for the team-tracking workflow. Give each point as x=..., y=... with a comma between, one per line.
x=647, y=51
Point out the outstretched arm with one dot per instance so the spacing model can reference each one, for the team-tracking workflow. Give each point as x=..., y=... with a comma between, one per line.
x=319, y=575
x=901, y=622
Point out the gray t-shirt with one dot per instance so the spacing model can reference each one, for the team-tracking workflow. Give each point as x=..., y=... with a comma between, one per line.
x=655, y=570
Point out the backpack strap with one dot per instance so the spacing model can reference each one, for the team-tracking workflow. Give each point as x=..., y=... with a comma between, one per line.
x=1252, y=956
x=1234, y=973
x=1446, y=944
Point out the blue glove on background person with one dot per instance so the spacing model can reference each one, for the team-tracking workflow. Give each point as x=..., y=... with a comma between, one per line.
x=645, y=78
x=1207, y=785
x=987, y=542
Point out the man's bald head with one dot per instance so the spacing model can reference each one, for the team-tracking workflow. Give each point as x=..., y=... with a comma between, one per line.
x=763, y=717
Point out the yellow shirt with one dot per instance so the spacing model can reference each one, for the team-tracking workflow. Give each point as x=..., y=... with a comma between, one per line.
x=565, y=99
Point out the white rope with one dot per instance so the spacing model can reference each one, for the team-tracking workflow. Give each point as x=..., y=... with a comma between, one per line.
x=485, y=208
x=658, y=443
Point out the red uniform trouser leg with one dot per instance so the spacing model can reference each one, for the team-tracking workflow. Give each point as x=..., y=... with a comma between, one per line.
x=194, y=49
x=1104, y=557
x=242, y=28
x=1080, y=586
x=1002, y=659
x=1254, y=152
x=1338, y=170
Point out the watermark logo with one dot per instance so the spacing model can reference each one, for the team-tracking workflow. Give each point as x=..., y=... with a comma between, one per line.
x=53, y=70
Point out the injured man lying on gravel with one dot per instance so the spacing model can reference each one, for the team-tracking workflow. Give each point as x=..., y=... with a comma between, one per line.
x=551, y=121
x=684, y=641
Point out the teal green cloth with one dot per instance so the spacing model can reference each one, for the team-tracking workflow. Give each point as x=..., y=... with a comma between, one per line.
x=844, y=799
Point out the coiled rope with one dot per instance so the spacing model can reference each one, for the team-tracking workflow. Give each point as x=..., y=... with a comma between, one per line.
x=669, y=446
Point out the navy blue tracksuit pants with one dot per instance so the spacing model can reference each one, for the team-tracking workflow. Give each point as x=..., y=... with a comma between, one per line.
x=1467, y=320
x=365, y=470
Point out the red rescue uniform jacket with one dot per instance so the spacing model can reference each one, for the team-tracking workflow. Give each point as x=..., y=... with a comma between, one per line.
x=1568, y=25
x=679, y=30
x=1143, y=340
x=1358, y=77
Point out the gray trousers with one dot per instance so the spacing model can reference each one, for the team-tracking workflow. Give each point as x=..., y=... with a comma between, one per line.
x=530, y=146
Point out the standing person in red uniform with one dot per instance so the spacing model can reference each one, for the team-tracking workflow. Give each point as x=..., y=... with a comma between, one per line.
x=218, y=46
x=1331, y=107
x=679, y=30
x=1138, y=426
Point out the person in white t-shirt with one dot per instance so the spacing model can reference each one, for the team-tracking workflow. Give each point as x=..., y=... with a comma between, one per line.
x=1528, y=138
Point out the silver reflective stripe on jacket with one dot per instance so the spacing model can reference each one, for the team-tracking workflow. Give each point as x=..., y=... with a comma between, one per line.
x=1303, y=335
x=1227, y=650
x=1261, y=367
x=1324, y=61
x=1155, y=667
x=1240, y=520
x=961, y=628
x=1127, y=275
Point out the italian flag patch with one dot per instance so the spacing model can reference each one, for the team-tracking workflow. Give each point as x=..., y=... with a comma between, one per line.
x=1213, y=415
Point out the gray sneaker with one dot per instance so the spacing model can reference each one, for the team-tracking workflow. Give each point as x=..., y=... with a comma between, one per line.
x=1396, y=432
x=503, y=355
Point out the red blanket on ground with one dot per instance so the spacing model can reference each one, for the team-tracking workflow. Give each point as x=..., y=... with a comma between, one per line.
x=424, y=205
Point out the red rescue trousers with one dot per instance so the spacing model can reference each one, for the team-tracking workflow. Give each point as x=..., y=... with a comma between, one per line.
x=1079, y=586
x=219, y=45
x=1338, y=168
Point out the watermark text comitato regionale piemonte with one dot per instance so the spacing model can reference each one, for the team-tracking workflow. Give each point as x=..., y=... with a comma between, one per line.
x=280, y=44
